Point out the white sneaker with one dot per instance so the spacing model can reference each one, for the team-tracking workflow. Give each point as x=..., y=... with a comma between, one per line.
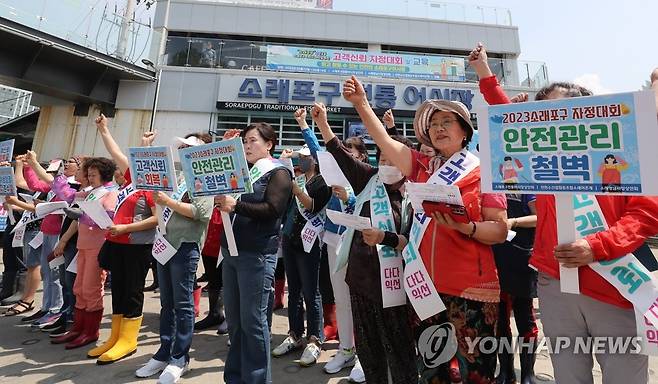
x=151, y=368
x=310, y=355
x=343, y=359
x=173, y=373
x=288, y=345
x=357, y=375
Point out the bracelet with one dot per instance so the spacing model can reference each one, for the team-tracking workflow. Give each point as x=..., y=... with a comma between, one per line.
x=475, y=227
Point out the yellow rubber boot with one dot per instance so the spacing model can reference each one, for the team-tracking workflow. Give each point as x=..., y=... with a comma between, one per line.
x=127, y=343
x=114, y=336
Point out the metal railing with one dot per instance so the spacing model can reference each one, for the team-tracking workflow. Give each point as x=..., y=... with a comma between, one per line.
x=252, y=55
x=426, y=9
x=93, y=24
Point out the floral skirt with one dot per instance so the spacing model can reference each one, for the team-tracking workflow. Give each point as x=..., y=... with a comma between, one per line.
x=453, y=334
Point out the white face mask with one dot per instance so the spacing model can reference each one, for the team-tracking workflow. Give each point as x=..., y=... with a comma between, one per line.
x=389, y=175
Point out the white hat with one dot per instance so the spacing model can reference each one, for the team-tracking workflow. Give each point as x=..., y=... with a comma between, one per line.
x=192, y=141
x=303, y=151
x=426, y=110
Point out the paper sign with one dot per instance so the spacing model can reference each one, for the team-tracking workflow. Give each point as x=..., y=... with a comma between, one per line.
x=43, y=209
x=597, y=145
x=54, y=165
x=6, y=150
x=214, y=169
x=3, y=219
x=351, y=221
x=152, y=168
x=331, y=172
x=95, y=210
x=56, y=262
x=7, y=182
x=37, y=240
x=73, y=265
x=419, y=192
x=510, y=235
x=162, y=250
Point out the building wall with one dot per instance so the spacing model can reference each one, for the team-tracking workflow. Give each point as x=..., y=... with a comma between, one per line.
x=211, y=17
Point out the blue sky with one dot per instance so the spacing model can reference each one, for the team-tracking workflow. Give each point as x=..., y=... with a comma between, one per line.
x=606, y=45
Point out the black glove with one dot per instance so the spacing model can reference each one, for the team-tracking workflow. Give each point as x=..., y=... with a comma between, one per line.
x=73, y=213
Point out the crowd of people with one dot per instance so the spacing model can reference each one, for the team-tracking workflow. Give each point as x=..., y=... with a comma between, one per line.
x=334, y=274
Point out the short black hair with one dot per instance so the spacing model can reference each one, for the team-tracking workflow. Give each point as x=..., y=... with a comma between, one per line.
x=404, y=140
x=357, y=143
x=507, y=158
x=610, y=156
x=104, y=166
x=265, y=131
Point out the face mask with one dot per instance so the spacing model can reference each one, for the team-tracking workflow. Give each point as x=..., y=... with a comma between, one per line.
x=306, y=164
x=389, y=175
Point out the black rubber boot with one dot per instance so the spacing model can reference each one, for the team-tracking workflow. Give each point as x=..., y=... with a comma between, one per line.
x=527, y=358
x=213, y=319
x=506, y=374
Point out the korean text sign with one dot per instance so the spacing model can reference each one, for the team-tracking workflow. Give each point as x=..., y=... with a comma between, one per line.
x=319, y=60
x=152, y=168
x=218, y=168
x=596, y=145
x=7, y=182
x=6, y=150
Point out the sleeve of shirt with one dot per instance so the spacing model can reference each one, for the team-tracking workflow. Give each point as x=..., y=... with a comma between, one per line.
x=148, y=196
x=492, y=91
x=33, y=182
x=357, y=172
x=494, y=200
x=127, y=176
x=638, y=222
x=277, y=197
x=416, y=159
x=312, y=141
x=63, y=190
x=202, y=208
x=320, y=194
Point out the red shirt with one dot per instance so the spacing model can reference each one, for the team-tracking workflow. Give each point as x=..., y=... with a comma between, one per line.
x=128, y=211
x=631, y=219
x=214, y=235
x=460, y=266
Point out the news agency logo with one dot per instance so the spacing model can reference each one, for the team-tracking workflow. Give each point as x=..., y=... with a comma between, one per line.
x=437, y=344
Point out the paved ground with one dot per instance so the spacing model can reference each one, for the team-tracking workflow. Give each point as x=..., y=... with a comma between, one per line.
x=26, y=356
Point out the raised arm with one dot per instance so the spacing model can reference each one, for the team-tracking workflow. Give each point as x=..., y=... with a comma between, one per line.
x=18, y=173
x=654, y=85
x=36, y=177
x=319, y=115
x=398, y=153
x=307, y=132
x=112, y=147
x=489, y=87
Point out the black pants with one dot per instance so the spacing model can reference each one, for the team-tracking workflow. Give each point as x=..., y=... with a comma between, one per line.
x=524, y=316
x=213, y=272
x=326, y=289
x=129, y=266
x=11, y=257
x=280, y=271
x=384, y=340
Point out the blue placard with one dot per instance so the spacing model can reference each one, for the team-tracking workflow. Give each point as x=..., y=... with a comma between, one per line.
x=7, y=182
x=218, y=168
x=573, y=145
x=6, y=150
x=152, y=169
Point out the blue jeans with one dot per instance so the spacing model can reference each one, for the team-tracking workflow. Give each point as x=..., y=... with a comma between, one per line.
x=68, y=279
x=248, y=280
x=177, y=313
x=303, y=273
x=52, y=289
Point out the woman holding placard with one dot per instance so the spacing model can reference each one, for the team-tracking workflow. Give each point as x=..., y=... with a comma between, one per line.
x=90, y=279
x=256, y=222
x=128, y=250
x=600, y=310
x=382, y=331
x=185, y=219
x=455, y=255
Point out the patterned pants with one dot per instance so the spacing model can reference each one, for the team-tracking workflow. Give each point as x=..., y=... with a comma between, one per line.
x=464, y=319
x=384, y=341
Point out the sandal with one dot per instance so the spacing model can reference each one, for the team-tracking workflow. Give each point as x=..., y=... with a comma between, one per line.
x=20, y=307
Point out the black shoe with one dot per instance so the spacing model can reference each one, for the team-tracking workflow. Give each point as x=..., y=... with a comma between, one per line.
x=57, y=324
x=202, y=279
x=208, y=322
x=34, y=316
x=57, y=332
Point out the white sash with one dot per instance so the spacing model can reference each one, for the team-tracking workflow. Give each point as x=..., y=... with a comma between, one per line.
x=314, y=221
x=97, y=193
x=626, y=273
x=123, y=195
x=26, y=219
x=390, y=260
x=417, y=282
x=162, y=249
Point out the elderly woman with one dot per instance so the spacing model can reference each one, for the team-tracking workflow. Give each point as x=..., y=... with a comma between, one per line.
x=456, y=255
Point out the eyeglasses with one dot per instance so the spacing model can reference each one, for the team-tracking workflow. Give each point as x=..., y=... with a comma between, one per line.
x=445, y=124
x=74, y=161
